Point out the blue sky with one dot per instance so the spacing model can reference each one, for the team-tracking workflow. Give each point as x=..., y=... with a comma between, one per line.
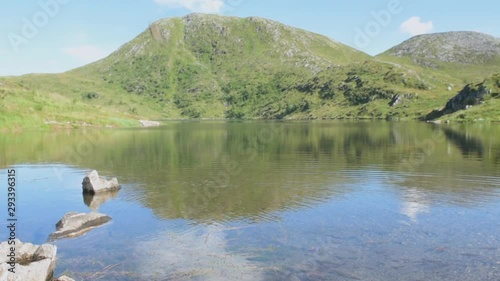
x=47, y=36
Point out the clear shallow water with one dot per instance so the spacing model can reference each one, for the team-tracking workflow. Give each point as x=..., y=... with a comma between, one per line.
x=269, y=201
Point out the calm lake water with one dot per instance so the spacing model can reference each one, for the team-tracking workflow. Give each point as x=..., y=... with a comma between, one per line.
x=268, y=200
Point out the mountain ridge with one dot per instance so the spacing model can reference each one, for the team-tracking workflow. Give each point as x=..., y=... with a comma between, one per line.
x=468, y=40
x=209, y=66
x=466, y=54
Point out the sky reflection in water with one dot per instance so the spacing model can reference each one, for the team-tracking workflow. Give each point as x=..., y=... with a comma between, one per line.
x=311, y=201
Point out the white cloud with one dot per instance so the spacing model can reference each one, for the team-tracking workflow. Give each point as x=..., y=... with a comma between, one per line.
x=415, y=26
x=86, y=53
x=198, y=6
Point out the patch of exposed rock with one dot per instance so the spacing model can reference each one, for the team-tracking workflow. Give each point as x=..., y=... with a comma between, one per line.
x=468, y=97
x=147, y=123
x=471, y=95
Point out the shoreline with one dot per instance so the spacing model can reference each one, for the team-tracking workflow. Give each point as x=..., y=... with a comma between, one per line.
x=55, y=126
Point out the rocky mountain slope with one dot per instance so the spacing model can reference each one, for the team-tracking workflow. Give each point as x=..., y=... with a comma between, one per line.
x=208, y=66
x=465, y=54
x=451, y=47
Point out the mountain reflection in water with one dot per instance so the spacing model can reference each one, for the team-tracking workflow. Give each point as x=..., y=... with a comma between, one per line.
x=269, y=200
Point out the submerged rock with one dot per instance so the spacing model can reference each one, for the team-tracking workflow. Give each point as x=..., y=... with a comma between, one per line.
x=32, y=262
x=76, y=224
x=92, y=183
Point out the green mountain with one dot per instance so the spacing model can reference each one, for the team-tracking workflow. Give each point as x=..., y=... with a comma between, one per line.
x=212, y=66
x=207, y=66
x=468, y=55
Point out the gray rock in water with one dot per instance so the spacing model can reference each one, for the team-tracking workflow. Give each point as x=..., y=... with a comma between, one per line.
x=147, y=123
x=33, y=262
x=92, y=183
x=76, y=224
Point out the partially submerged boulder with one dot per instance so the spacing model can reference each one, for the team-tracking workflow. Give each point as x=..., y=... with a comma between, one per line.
x=32, y=262
x=92, y=183
x=76, y=224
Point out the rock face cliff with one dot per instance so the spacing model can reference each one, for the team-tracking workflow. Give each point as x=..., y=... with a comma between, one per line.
x=473, y=95
x=470, y=96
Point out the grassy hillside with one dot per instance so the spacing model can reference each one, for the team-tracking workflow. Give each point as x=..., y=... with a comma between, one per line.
x=206, y=66
x=474, y=102
x=67, y=101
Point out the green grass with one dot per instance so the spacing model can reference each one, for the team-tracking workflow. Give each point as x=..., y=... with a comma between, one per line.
x=465, y=73
x=66, y=101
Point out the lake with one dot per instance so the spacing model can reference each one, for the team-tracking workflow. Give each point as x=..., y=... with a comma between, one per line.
x=260, y=200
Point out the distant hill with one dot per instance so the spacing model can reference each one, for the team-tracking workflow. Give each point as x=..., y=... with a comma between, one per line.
x=465, y=54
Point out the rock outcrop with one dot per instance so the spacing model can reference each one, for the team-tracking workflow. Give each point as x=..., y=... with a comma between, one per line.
x=32, y=262
x=469, y=96
x=92, y=184
x=400, y=98
x=147, y=123
x=76, y=224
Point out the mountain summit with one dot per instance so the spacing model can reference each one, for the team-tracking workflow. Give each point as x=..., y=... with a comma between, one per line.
x=208, y=39
x=450, y=47
x=201, y=63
